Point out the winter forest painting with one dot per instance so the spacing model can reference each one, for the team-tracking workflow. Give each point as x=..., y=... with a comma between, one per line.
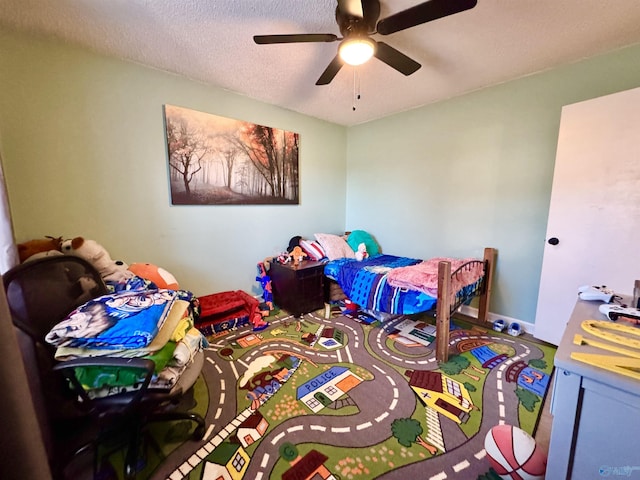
x=221, y=161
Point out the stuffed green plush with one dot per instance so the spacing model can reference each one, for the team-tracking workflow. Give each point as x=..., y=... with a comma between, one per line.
x=356, y=237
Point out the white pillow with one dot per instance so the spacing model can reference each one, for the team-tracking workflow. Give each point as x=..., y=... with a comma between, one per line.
x=335, y=246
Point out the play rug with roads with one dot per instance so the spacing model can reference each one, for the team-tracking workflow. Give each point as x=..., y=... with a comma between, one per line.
x=315, y=398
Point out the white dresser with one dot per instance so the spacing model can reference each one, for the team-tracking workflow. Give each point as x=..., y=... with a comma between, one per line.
x=596, y=413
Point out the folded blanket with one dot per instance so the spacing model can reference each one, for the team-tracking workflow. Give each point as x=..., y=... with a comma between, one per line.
x=185, y=324
x=170, y=330
x=170, y=362
x=424, y=276
x=104, y=382
x=112, y=377
x=187, y=348
x=115, y=321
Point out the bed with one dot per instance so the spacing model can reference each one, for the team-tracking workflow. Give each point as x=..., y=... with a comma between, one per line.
x=406, y=286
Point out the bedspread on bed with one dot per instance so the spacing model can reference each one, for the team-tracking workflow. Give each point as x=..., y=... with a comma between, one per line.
x=423, y=276
x=366, y=284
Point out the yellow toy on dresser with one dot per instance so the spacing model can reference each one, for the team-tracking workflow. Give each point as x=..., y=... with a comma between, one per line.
x=628, y=365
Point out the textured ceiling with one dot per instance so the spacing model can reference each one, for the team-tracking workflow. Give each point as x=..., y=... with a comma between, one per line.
x=211, y=41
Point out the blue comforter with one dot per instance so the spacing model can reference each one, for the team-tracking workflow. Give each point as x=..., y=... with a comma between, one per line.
x=365, y=283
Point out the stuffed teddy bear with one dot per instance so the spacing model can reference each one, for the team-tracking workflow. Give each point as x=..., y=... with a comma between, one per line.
x=40, y=246
x=97, y=255
x=361, y=253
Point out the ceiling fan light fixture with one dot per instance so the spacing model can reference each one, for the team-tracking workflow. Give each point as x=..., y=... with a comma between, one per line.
x=357, y=50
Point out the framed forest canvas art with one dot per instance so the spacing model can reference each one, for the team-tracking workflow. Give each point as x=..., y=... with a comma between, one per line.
x=215, y=160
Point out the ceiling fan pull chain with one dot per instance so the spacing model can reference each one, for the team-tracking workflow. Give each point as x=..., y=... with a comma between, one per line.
x=356, y=87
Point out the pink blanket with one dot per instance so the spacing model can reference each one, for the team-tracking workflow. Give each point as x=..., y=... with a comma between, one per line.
x=424, y=276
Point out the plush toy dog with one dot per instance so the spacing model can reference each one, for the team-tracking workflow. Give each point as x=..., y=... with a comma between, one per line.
x=97, y=255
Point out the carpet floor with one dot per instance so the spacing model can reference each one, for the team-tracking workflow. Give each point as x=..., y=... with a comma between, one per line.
x=337, y=398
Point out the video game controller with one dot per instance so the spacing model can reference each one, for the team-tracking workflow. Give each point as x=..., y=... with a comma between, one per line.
x=593, y=292
x=618, y=312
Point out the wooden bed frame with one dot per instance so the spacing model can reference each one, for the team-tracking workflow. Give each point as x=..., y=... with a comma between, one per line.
x=445, y=307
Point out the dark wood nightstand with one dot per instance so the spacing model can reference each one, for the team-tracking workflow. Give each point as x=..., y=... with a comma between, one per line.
x=298, y=290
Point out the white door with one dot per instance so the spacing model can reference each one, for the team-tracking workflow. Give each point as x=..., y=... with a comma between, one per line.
x=595, y=207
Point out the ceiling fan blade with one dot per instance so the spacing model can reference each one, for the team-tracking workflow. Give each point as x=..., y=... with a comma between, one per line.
x=422, y=13
x=351, y=7
x=396, y=59
x=295, y=38
x=331, y=71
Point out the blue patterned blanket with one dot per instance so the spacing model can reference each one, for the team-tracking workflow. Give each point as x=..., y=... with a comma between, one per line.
x=115, y=321
x=365, y=283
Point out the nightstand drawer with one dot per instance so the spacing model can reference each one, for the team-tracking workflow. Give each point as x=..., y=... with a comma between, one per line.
x=309, y=272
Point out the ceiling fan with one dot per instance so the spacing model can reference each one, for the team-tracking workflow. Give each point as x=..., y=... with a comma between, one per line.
x=358, y=20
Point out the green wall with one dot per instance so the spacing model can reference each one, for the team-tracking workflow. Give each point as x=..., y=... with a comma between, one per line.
x=451, y=178
x=82, y=141
x=83, y=148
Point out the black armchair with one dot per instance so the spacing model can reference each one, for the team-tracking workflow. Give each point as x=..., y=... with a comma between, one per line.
x=40, y=294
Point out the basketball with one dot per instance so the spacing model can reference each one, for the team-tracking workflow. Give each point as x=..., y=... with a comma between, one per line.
x=155, y=274
x=514, y=454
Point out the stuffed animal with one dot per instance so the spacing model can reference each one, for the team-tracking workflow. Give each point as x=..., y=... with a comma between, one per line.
x=97, y=255
x=38, y=246
x=283, y=258
x=118, y=272
x=298, y=255
x=159, y=276
x=361, y=254
x=293, y=243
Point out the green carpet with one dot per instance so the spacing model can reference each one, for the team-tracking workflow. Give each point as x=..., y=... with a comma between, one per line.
x=339, y=397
